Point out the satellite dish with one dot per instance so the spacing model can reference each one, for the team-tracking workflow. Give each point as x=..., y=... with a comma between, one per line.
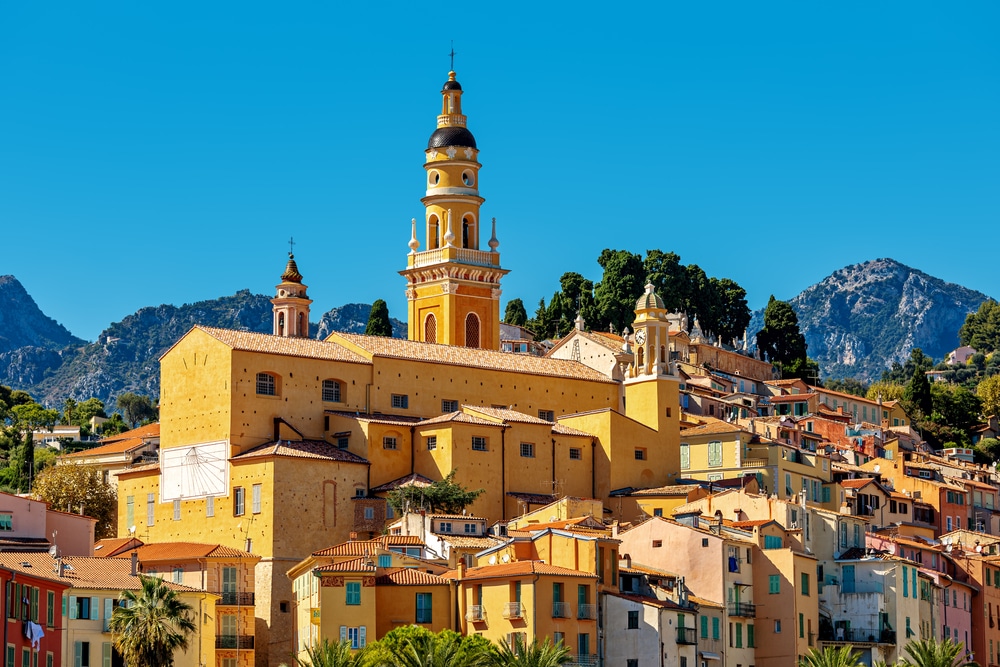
x=979, y=548
x=892, y=548
x=505, y=558
x=53, y=551
x=878, y=468
x=131, y=530
x=492, y=560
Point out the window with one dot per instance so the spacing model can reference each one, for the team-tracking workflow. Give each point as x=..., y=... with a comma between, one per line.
x=657, y=544
x=385, y=560
x=359, y=493
x=331, y=391
x=527, y=450
x=633, y=620
x=266, y=386
x=178, y=576
x=343, y=441
x=389, y=442
x=239, y=501
x=632, y=662
x=583, y=644
x=774, y=584
x=432, y=442
x=640, y=454
x=715, y=627
x=449, y=405
x=401, y=401
x=471, y=329
x=547, y=415
x=177, y=510
x=704, y=627
x=129, y=511
x=479, y=443
x=444, y=527
x=575, y=453
x=356, y=636
x=424, y=607
x=658, y=511
x=685, y=456
x=353, y=593
x=6, y=521
x=369, y=513
x=50, y=609
x=805, y=583
x=777, y=626
x=715, y=453
x=150, y=508
x=802, y=626
x=430, y=326
x=470, y=529
x=210, y=506
x=83, y=608
x=739, y=635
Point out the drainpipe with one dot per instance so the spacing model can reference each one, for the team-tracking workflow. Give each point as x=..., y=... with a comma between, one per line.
x=503, y=472
x=553, y=466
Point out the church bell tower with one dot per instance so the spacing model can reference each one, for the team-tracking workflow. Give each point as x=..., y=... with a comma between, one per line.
x=453, y=286
x=291, y=305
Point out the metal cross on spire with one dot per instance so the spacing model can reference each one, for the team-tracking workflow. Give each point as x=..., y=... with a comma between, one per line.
x=452, y=54
x=291, y=245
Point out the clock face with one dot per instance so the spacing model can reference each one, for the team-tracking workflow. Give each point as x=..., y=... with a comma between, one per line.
x=640, y=336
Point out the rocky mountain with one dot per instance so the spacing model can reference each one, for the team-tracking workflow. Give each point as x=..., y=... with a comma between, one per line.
x=862, y=318
x=125, y=355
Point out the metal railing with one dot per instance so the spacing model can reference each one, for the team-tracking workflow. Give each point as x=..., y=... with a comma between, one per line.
x=513, y=610
x=234, y=641
x=744, y=609
x=586, y=611
x=475, y=613
x=858, y=635
x=243, y=598
x=687, y=636
x=560, y=610
x=589, y=660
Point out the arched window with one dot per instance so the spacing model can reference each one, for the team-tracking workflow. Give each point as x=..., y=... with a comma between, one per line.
x=471, y=330
x=267, y=384
x=430, y=329
x=640, y=358
x=281, y=324
x=663, y=354
x=466, y=226
x=333, y=391
x=302, y=326
x=432, y=233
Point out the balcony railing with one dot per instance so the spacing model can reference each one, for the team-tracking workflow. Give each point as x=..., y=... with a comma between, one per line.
x=560, y=610
x=687, y=636
x=586, y=611
x=475, y=613
x=513, y=610
x=858, y=635
x=582, y=661
x=461, y=255
x=234, y=641
x=744, y=609
x=242, y=599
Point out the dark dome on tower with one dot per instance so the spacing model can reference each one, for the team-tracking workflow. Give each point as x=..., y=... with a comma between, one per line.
x=451, y=136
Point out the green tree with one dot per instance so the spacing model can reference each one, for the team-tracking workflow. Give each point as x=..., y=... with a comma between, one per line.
x=415, y=646
x=782, y=342
x=621, y=285
x=515, y=313
x=445, y=495
x=378, y=320
x=889, y=391
x=72, y=488
x=917, y=395
x=665, y=271
x=115, y=425
x=831, y=656
x=934, y=653
x=732, y=315
x=536, y=654
x=901, y=373
x=151, y=624
x=23, y=420
x=982, y=328
x=988, y=391
x=334, y=654
x=541, y=324
x=987, y=450
x=847, y=386
x=136, y=408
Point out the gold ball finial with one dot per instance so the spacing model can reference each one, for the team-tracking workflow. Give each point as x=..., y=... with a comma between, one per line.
x=451, y=75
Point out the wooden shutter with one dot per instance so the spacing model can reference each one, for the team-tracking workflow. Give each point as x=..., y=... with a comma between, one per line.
x=72, y=608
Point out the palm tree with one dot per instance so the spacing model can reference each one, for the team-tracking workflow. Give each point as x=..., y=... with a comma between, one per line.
x=334, y=654
x=150, y=624
x=520, y=654
x=419, y=647
x=844, y=656
x=934, y=653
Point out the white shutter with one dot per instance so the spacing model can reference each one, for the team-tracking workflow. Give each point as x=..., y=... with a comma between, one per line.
x=78, y=653
x=95, y=609
x=106, y=654
x=72, y=608
x=343, y=633
x=361, y=634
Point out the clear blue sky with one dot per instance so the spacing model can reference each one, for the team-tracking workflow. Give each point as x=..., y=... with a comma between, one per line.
x=164, y=152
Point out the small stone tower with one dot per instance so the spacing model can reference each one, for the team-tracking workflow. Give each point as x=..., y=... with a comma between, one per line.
x=291, y=305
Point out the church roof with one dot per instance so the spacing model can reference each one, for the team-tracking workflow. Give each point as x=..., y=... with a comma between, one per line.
x=397, y=348
x=249, y=341
x=291, y=274
x=451, y=136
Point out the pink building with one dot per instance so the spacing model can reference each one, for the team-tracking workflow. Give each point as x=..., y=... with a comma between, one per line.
x=29, y=525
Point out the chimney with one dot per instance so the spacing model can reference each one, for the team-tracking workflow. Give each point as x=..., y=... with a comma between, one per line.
x=614, y=530
x=461, y=569
x=135, y=563
x=628, y=560
x=352, y=536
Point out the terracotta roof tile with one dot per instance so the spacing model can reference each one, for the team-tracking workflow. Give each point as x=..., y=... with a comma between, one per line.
x=856, y=483
x=116, y=447
x=362, y=547
x=457, y=416
x=82, y=572
x=413, y=479
x=702, y=602
x=398, y=348
x=112, y=545
x=248, y=341
x=534, y=498
x=651, y=601
x=186, y=551
x=711, y=429
x=145, y=467
x=516, y=569
x=560, y=429
x=377, y=418
x=407, y=576
x=302, y=449
x=463, y=542
x=148, y=431
x=751, y=524
x=363, y=564
x=506, y=415
x=671, y=490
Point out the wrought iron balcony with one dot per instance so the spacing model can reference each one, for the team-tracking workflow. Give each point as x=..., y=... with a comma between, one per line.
x=560, y=610
x=242, y=599
x=582, y=661
x=858, y=635
x=234, y=641
x=586, y=611
x=687, y=636
x=513, y=610
x=476, y=613
x=744, y=609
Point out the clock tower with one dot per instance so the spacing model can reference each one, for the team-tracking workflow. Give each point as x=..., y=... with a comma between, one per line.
x=453, y=286
x=291, y=305
x=652, y=336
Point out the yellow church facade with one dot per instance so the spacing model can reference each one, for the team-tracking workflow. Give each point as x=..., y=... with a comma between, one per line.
x=274, y=443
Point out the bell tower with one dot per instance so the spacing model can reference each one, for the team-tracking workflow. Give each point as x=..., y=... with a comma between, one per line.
x=453, y=286
x=291, y=305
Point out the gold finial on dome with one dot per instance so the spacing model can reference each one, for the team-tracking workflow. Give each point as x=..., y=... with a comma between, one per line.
x=291, y=274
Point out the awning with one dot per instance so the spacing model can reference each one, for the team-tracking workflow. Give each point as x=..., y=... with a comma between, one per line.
x=710, y=656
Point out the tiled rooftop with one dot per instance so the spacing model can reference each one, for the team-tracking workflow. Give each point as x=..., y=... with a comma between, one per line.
x=249, y=341
x=302, y=449
x=518, y=569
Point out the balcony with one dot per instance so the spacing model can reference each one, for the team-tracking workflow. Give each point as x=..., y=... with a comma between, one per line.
x=586, y=611
x=459, y=255
x=582, y=661
x=475, y=614
x=560, y=610
x=744, y=609
x=513, y=610
x=231, y=598
x=858, y=635
x=234, y=641
x=687, y=636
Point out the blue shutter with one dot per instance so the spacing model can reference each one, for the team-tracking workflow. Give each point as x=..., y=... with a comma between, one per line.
x=72, y=608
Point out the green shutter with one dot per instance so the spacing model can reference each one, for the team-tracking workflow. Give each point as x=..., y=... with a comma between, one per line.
x=704, y=627
x=106, y=654
x=715, y=627
x=72, y=607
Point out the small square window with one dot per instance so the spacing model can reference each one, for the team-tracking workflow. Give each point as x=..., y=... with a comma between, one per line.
x=389, y=442
x=266, y=386
x=401, y=401
x=633, y=620
x=657, y=544
x=359, y=493
x=575, y=453
x=343, y=441
x=331, y=391
x=432, y=442
x=527, y=450
x=547, y=415
x=369, y=513
x=448, y=405
x=704, y=541
x=640, y=454
x=658, y=511
x=479, y=443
